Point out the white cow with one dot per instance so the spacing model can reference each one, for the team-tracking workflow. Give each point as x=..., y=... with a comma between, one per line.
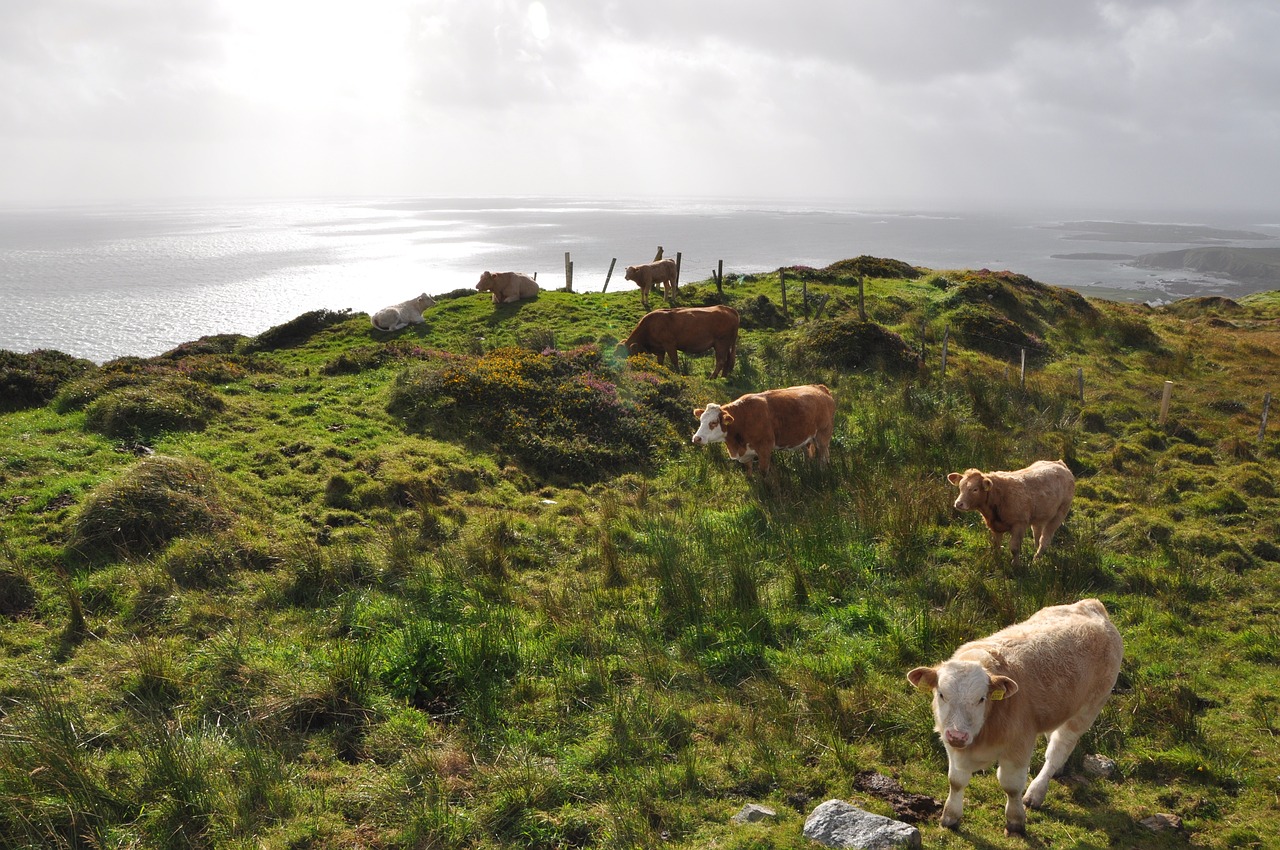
x=1049, y=674
x=401, y=315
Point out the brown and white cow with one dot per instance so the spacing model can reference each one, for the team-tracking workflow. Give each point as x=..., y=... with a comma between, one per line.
x=647, y=275
x=1038, y=496
x=1049, y=674
x=693, y=330
x=507, y=286
x=757, y=423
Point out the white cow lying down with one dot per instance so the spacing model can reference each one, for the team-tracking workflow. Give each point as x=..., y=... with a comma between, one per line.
x=401, y=315
x=1049, y=674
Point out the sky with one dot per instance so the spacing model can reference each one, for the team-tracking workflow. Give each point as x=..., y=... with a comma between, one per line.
x=941, y=103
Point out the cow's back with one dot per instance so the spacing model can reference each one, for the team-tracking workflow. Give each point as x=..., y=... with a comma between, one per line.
x=1061, y=657
x=1039, y=491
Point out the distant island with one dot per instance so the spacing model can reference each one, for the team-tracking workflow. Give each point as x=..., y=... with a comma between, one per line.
x=1138, y=231
x=1092, y=255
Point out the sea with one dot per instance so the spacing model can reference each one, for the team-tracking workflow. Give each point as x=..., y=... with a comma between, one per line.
x=105, y=281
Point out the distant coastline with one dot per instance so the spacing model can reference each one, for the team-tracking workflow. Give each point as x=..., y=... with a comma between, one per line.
x=1259, y=267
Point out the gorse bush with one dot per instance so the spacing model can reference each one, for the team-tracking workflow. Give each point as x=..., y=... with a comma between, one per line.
x=31, y=380
x=566, y=413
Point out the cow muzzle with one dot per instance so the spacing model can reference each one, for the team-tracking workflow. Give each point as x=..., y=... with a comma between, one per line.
x=960, y=740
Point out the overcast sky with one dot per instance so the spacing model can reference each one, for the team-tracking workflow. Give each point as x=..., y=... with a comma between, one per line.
x=893, y=102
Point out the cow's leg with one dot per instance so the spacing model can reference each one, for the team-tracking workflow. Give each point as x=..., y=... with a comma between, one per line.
x=958, y=777
x=1061, y=743
x=1045, y=535
x=1016, y=533
x=673, y=354
x=764, y=455
x=1013, y=778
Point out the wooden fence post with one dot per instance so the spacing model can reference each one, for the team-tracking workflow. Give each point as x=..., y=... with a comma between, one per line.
x=568, y=273
x=658, y=256
x=1266, y=406
x=862, y=308
x=1022, y=372
x=1080, y=381
x=782, y=282
x=609, y=275
x=676, y=286
x=804, y=296
x=1164, y=401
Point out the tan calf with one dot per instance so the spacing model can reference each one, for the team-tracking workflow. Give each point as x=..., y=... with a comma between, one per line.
x=1050, y=674
x=1037, y=497
x=507, y=286
x=648, y=275
x=755, y=424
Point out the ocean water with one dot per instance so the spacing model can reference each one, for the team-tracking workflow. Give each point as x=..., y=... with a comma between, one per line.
x=101, y=282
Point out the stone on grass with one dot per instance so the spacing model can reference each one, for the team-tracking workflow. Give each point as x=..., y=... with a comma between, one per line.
x=836, y=823
x=751, y=813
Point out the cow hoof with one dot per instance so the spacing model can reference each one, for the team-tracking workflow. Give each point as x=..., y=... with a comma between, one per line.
x=1010, y=830
x=950, y=823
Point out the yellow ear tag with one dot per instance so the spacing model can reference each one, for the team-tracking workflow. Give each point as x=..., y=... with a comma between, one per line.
x=997, y=694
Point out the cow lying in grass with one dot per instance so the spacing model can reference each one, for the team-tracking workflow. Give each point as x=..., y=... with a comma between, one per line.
x=507, y=286
x=757, y=423
x=1038, y=496
x=401, y=315
x=1050, y=674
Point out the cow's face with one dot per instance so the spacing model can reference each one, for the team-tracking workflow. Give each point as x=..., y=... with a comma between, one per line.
x=974, y=487
x=486, y=282
x=424, y=301
x=631, y=273
x=710, y=425
x=963, y=692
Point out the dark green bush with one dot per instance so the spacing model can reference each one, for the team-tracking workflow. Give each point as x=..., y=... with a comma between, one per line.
x=296, y=331
x=850, y=344
x=561, y=413
x=31, y=380
x=146, y=410
x=157, y=500
x=866, y=266
x=761, y=313
x=984, y=329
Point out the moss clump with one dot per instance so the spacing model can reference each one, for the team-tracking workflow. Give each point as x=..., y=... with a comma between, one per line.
x=17, y=594
x=851, y=344
x=866, y=266
x=156, y=501
x=984, y=329
x=761, y=313
x=32, y=380
x=144, y=411
x=296, y=331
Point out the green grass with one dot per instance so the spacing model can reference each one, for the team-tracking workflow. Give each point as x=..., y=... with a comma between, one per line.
x=468, y=585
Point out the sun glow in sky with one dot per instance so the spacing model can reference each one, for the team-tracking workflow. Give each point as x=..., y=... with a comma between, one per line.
x=924, y=102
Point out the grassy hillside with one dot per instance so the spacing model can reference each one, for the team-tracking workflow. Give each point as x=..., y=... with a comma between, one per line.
x=469, y=585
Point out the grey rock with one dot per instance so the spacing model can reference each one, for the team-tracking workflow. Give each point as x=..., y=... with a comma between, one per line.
x=751, y=813
x=1095, y=765
x=836, y=823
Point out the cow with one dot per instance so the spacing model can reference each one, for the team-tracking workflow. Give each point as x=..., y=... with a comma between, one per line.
x=401, y=315
x=757, y=423
x=1049, y=674
x=507, y=286
x=689, y=329
x=1038, y=496
x=646, y=275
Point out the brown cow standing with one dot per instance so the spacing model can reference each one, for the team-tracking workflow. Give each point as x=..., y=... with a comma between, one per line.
x=507, y=286
x=646, y=275
x=690, y=329
x=1050, y=674
x=757, y=423
x=1038, y=496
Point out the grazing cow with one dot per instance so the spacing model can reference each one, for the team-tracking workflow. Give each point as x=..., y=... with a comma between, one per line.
x=507, y=286
x=1049, y=674
x=757, y=423
x=1038, y=496
x=646, y=275
x=690, y=329
x=400, y=315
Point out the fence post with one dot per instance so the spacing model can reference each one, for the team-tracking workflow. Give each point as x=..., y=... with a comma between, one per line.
x=1022, y=372
x=1266, y=406
x=568, y=273
x=804, y=296
x=1164, y=401
x=862, y=309
x=676, y=286
x=946, y=334
x=609, y=275
x=658, y=256
x=1080, y=381
x=782, y=282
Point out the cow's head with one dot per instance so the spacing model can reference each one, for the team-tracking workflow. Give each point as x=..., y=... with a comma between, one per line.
x=711, y=424
x=424, y=301
x=486, y=282
x=974, y=486
x=963, y=692
x=631, y=273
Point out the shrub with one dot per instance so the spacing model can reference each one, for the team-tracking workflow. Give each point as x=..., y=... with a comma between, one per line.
x=31, y=380
x=983, y=329
x=851, y=344
x=146, y=410
x=564, y=413
x=157, y=500
x=761, y=313
x=866, y=266
x=296, y=331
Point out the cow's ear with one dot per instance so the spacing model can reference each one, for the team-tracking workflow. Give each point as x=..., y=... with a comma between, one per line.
x=954, y=477
x=726, y=419
x=1001, y=687
x=924, y=678
x=986, y=483
x=698, y=411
